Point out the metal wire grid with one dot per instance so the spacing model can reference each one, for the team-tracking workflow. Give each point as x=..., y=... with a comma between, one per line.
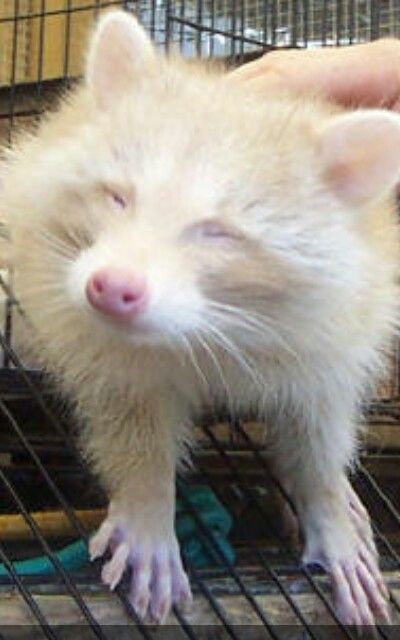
x=232, y=27
x=199, y=27
x=43, y=40
x=213, y=27
x=202, y=583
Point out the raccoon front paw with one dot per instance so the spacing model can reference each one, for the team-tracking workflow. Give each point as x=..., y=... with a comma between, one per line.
x=351, y=562
x=158, y=579
x=361, y=520
x=359, y=593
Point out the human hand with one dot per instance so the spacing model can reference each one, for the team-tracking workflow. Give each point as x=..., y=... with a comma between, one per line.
x=365, y=75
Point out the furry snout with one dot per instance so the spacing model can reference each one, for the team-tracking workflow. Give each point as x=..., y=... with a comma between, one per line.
x=117, y=293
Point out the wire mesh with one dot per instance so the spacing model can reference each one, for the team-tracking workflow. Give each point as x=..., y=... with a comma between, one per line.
x=41, y=46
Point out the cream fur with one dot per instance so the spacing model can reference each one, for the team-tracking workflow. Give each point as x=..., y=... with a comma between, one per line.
x=289, y=310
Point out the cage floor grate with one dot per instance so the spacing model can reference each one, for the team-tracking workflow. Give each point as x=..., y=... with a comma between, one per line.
x=265, y=593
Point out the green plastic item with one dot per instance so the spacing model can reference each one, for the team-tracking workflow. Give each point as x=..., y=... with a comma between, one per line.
x=72, y=558
x=195, y=548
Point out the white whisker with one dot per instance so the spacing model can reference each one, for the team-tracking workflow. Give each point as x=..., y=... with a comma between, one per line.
x=207, y=348
x=252, y=321
x=246, y=363
x=194, y=360
x=56, y=245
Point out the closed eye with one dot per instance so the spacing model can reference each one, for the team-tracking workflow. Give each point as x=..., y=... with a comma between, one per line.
x=213, y=230
x=119, y=198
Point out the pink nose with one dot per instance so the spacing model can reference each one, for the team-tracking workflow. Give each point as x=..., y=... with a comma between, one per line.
x=117, y=293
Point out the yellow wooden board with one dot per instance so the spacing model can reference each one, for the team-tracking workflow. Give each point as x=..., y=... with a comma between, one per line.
x=44, y=44
x=13, y=42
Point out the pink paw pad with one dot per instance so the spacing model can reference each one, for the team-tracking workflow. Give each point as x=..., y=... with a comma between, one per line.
x=158, y=579
x=360, y=595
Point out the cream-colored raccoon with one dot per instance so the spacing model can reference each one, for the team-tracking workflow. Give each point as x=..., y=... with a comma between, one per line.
x=180, y=241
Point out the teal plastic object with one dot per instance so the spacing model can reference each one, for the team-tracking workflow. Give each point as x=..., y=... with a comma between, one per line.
x=195, y=548
x=72, y=558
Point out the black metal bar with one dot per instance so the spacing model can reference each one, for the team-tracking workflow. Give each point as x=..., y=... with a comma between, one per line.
x=265, y=20
x=244, y=485
x=375, y=20
x=168, y=24
x=383, y=497
x=207, y=535
x=75, y=523
x=145, y=632
x=37, y=395
x=52, y=557
x=182, y=15
x=14, y=54
x=232, y=33
x=306, y=21
x=206, y=29
x=294, y=23
x=19, y=114
x=215, y=606
x=339, y=21
x=187, y=628
x=67, y=36
x=381, y=537
x=212, y=25
x=68, y=510
x=153, y=8
x=261, y=558
x=199, y=21
x=324, y=23
x=26, y=595
x=10, y=116
x=352, y=17
x=8, y=330
x=56, y=424
x=393, y=553
x=274, y=22
x=96, y=9
x=39, y=78
x=237, y=425
x=56, y=12
x=242, y=28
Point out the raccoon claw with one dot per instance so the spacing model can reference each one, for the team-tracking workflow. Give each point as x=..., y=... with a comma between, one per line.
x=360, y=595
x=361, y=520
x=99, y=542
x=158, y=579
x=357, y=595
x=113, y=570
x=357, y=591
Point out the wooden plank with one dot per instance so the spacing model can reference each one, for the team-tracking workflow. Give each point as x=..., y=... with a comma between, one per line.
x=60, y=609
x=48, y=40
x=12, y=48
x=51, y=523
x=49, y=46
x=383, y=435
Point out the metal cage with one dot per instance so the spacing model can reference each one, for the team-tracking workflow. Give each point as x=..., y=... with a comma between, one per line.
x=265, y=593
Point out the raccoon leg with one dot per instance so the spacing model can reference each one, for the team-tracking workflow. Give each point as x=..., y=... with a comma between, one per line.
x=136, y=460
x=158, y=579
x=360, y=518
x=312, y=454
x=357, y=513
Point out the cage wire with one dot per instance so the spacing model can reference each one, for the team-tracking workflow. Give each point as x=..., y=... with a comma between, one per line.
x=265, y=592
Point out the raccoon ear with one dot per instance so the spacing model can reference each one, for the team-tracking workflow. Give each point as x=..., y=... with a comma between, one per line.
x=360, y=154
x=118, y=53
